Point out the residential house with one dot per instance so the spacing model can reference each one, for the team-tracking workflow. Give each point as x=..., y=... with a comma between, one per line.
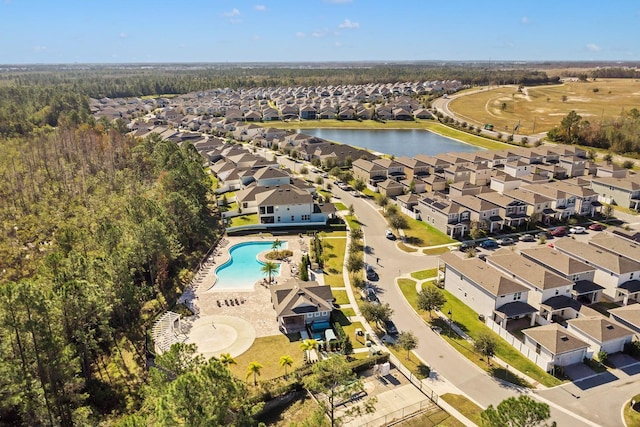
x=486, y=214
x=413, y=168
x=518, y=168
x=370, y=173
x=584, y=200
x=610, y=170
x=395, y=170
x=457, y=173
x=563, y=203
x=480, y=174
x=269, y=177
x=502, y=182
x=555, y=345
x=444, y=215
x=574, y=165
x=619, y=275
x=585, y=290
x=408, y=203
x=434, y=183
x=513, y=211
x=390, y=188
x=287, y=205
x=298, y=304
x=601, y=333
x=538, y=206
x=550, y=293
x=628, y=315
x=623, y=192
x=485, y=290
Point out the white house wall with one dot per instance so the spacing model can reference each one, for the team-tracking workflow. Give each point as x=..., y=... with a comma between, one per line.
x=477, y=299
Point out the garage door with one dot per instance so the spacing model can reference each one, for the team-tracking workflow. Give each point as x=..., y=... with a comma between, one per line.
x=614, y=346
x=571, y=357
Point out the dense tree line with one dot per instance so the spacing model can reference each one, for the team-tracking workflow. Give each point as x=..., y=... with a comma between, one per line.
x=130, y=82
x=615, y=73
x=621, y=135
x=99, y=231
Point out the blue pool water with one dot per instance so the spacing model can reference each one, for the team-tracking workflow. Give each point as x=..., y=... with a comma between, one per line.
x=243, y=269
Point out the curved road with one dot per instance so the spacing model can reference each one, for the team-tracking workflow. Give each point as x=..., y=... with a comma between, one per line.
x=446, y=362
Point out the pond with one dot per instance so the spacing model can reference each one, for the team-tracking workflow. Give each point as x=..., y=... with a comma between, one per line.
x=398, y=142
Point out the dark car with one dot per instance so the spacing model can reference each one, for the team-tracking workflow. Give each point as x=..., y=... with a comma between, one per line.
x=389, y=327
x=489, y=244
x=465, y=246
x=370, y=295
x=543, y=234
x=559, y=232
x=371, y=274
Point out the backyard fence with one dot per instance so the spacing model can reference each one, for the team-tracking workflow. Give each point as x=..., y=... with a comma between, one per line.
x=539, y=359
x=400, y=414
x=420, y=384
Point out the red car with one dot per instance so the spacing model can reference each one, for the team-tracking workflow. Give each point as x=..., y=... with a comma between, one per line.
x=559, y=232
x=596, y=227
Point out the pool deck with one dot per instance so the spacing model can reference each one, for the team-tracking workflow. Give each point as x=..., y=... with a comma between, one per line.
x=254, y=304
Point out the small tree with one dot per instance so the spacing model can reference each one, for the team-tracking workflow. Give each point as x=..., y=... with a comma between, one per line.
x=286, y=362
x=430, y=298
x=352, y=210
x=268, y=268
x=407, y=341
x=522, y=411
x=398, y=222
x=277, y=244
x=486, y=344
x=356, y=233
x=359, y=184
x=628, y=164
x=608, y=157
x=308, y=345
x=607, y=211
x=254, y=369
x=376, y=312
x=354, y=262
x=382, y=201
x=334, y=379
x=226, y=359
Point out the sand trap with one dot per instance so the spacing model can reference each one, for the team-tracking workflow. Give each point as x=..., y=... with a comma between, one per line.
x=217, y=334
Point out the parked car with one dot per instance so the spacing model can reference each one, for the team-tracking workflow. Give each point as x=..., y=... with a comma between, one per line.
x=506, y=241
x=482, y=257
x=559, y=232
x=354, y=193
x=371, y=274
x=577, y=230
x=489, y=244
x=467, y=245
x=596, y=227
x=526, y=238
x=370, y=295
x=389, y=235
x=388, y=326
x=544, y=234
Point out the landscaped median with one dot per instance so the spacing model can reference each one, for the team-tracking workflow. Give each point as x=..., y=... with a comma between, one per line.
x=467, y=320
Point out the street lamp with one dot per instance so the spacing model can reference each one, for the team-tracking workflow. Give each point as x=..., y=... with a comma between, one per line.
x=450, y=319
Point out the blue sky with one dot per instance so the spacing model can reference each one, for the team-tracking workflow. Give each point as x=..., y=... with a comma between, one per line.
x=112, y=31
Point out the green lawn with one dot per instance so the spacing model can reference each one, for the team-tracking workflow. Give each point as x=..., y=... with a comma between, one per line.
x=420, y=233
x=425, y=274
x=348, y=312
x=631, y=417
x=406, y=248
x=341, y=206
x=412, y=363
x=334, y=233
x=243, y=220
x=464, y=406
x=267, y=351
x=341, y=297
x=368, y=193
x=408, y=289
x=333, y=267
x=436, y=251
x=350, y=330
x=353, y=221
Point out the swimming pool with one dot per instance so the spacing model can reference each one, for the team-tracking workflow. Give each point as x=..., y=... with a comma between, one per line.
x=242, y=271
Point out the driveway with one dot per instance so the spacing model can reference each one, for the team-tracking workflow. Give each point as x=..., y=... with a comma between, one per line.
x=578, y=371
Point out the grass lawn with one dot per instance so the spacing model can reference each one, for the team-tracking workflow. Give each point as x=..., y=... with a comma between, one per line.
x=333, y=267
x=436, y=417
x=350, y=330
x=354, y=223
x=368, y=193
x=267, y=351
x=348, y=312
x=425, y=274
x=341, y=297
x=408, y=289
x=341, y=206
x=420, y=233
x=419, y=369
x=468, y=321
x=436, y=251
x=336, y=233
x=464, y=406
x=406, y=248
x=631, y=417
x=545, y=104
x=243, y=220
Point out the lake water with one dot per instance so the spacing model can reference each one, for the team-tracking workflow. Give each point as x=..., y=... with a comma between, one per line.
x=398, y=142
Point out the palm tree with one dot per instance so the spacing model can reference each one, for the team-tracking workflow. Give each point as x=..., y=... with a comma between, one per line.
x=307, y=345
x=226, y=359
x=268, y=268
x=254, y=368
x=286, y=362
x=276, y=246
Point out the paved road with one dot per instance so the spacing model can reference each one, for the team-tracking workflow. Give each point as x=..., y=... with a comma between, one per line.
x=442, y=358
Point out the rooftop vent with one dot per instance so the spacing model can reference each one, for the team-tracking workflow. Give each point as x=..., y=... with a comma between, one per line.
x=610, y=327
x=564, y=338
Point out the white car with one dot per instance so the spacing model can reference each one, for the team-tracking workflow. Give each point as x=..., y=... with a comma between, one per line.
x=389, y=235
x=577, y=230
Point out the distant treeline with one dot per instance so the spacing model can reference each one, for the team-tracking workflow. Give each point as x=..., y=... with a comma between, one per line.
x=606, y=73
x=119, y=82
